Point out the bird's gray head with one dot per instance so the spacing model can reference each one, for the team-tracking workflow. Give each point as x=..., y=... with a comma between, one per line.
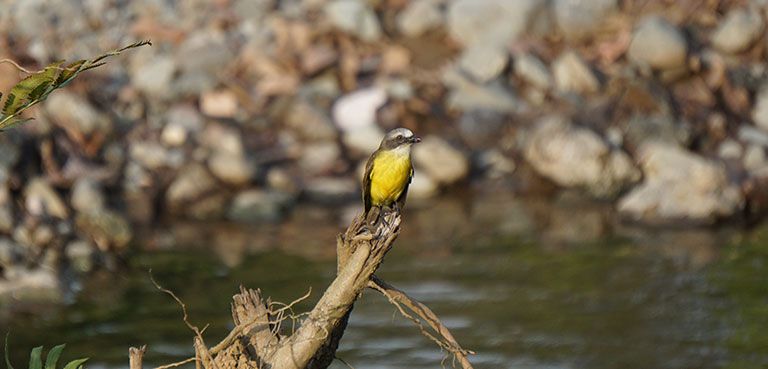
x=399, y=137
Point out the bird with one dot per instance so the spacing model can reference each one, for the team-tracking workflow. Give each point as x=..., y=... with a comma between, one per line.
x=389, y=171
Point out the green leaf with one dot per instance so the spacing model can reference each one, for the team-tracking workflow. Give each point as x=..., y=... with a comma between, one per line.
x=69, y=72
x=36, y=358
x=53, y=356
x=21, y=93
x=75, y=364
x=7, y=360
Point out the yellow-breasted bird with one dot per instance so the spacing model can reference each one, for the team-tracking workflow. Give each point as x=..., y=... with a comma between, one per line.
x=388, y=171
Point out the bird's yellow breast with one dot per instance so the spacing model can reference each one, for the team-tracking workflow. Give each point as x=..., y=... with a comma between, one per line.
x=389, y=176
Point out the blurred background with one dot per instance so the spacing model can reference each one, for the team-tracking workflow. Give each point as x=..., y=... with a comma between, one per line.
x=589, y=193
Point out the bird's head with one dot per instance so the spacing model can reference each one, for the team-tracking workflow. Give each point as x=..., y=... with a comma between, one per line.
x=399, y=138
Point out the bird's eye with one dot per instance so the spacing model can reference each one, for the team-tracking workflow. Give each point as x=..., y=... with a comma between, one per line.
x=399, y=137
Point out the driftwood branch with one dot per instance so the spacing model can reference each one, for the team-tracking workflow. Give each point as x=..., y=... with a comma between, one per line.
x=260, y=341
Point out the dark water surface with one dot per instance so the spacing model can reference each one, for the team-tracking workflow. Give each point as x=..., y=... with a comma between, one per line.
x=525, y=284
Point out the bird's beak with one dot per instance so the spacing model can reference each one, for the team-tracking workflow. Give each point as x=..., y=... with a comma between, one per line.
x=415, y=139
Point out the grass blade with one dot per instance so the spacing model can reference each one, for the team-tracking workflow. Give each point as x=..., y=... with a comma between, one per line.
x=36, y=358
x=75, y=364
x=53, y=356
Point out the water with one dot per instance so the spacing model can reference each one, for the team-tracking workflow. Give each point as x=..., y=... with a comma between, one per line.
x=525, y=284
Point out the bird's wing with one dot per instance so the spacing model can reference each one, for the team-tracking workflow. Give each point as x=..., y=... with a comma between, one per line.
x=367, y=182
x=404, y=194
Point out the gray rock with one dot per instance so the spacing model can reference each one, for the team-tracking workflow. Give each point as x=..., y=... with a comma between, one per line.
x=87, y=195
x=11, y=253
x=483, y=62
x=440, y=161
x=533, y=71
x=108, y=229
x=740, y=29
x=254, y=205
x=419, y=17
x=641, y=128
x=222, y=139
x=154, y=77
x=754, y=157
x=181, y=122
x=23, y=284
x=81, y=255
x=577, y=157
x=730, y=149
x=9, y=150
x=572, y=74
x=760, y=110
x=41, y=199
x=192, y=182
x=199, y=58
x=234, y=169
x=310, y=123
x=331, y=190
x=495, y=164
x=578, y=19
x=355, y=17
x=656, y=43
x=482, y=128
x=355, y=115
x=153, y=156
x=753, y=135
x=319, y=158
x=468, y=95
x=77, y=114
x=679, y=185
x=422, y=187
x=490, y=22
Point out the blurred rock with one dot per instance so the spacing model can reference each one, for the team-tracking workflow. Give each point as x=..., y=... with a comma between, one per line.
x=679, y=185
x=87, y=195
x=576, y=157
x=23, y=284
x=11, y=253
x=200, y=57
x=234, y=169
x=730, y=149
x=641, y=128
x=739, y=30
x=422, y=187
x=192, y=182
x=9, y=151
x=533, y=71
x=331, y=190
x=255, y=205
x=181, y=122
x=495, y=164
x=490, y=22
x=753, y=135
x=109, y=230
x=153, y=156
x=440, y=161
x=355, y=17
x=754, y=157
x=219, y=104
x=482, y=128
x=355, y=115
x=658, y=44
x=310, y=122
x=81, y=255
x=317, y=57
x=572, y=74
x=760, y=109
x=222, y=138
x=483, y=62
x=42, y=200
x=419, y=17
x=154, y=78
x=468, y=95
x=319, y=158
x=76, y=114
x=579, y=18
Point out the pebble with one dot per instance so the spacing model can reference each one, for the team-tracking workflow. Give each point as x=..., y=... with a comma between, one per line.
x=256, y=205
x=680, y=185
x=192, y=182
x=440, y=161
x=533, y=71
x=355, y=17
x=331, y=190
x=107, y=228
x=77, y=114
x=572, y=156
x=41, y=199
x=578, y=19
x=87, y=195
x=754, y=157
x=319, y=158
x=418, y=17
x=572, y=74
x=738, y=31
x=730, y=149
x=467, y=95
x=357, y=110
x=81, y=255
x=233, y=169
x=483, y=62
x=422, y=187
x=490, y=22
x=310, y=122
x=154, y=77
x=219, y=104
x=656, y=43
x=760, y=109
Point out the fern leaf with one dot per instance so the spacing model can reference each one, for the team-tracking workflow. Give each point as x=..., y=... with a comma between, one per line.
x=75, y=364
x=53, y=356
x=36, y=358
x=20, y=94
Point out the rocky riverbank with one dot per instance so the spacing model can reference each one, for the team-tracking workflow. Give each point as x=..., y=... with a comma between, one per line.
x=243, y=108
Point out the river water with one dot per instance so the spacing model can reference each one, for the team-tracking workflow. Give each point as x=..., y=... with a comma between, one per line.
x=525, y=284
